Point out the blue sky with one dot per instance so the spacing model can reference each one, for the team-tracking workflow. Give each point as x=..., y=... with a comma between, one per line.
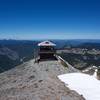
x=49, y=19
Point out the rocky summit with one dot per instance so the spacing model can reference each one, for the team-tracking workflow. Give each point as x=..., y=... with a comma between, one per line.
x=36, y=81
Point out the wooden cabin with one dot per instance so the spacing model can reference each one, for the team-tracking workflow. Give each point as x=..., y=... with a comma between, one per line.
x=46, y=50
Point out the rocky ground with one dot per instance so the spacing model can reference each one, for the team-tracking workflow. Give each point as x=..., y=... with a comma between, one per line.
x=36, y=81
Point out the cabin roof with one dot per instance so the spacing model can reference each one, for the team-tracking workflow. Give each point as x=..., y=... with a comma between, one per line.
x=46, y=43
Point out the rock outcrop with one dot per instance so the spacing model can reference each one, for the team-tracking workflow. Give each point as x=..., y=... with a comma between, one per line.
x=37, y=81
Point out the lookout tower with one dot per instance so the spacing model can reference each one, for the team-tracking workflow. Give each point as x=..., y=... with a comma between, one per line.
x=46, y=50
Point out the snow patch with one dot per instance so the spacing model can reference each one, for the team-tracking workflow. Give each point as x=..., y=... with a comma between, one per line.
x=84, y=84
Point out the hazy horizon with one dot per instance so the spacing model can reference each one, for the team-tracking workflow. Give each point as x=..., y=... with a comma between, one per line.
x=46, y=37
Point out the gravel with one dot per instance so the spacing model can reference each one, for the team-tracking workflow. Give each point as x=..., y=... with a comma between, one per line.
x=36, y=81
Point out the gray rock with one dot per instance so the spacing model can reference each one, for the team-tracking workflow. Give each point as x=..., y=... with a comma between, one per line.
x=31, y=81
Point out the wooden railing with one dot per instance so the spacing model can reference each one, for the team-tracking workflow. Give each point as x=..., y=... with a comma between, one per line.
x=63, y=62
x=47, y=51
x=66, y=64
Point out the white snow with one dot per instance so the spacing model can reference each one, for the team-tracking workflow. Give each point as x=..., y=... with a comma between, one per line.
x=46, y=43
x=84, y=84
x=95, y=73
